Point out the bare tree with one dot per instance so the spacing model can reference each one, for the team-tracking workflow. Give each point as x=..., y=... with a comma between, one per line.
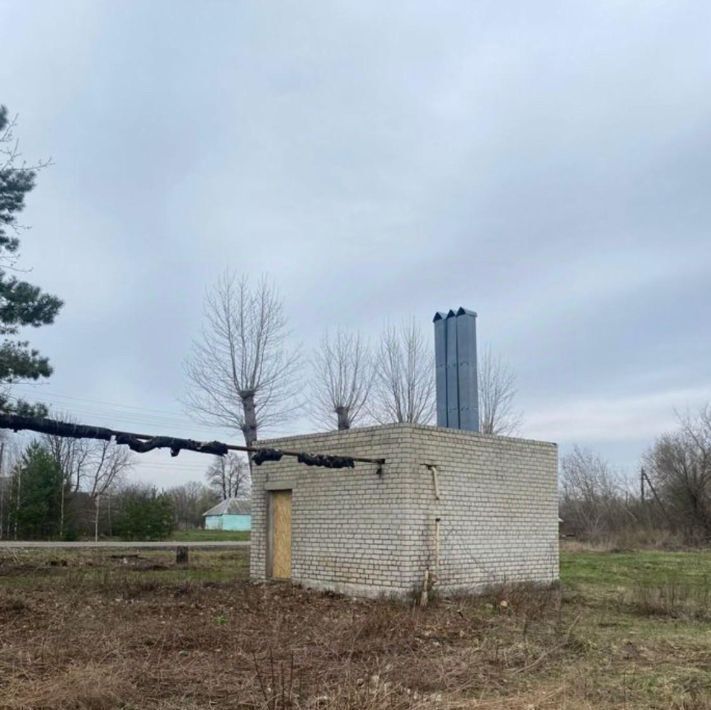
x=229, y=475
x=680, y=465
x=190, y=501
x=241, y=373
x=105, y=465
x=71, y=455
x=497, y=391
x=593, y=500
x=404, y=381
x=341, y=379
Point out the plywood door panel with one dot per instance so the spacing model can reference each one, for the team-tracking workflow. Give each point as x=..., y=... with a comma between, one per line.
x=281, y=534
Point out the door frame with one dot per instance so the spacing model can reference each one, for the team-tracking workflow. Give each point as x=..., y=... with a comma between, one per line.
x=270, y=529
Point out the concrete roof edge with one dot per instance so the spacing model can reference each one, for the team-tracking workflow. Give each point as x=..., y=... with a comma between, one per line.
x=334, y=433
x=400, y=425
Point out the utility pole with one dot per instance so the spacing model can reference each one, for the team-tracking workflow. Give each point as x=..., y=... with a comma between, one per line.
x=641, y=483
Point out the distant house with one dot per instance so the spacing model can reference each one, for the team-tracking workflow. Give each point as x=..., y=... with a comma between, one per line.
x=230, y=514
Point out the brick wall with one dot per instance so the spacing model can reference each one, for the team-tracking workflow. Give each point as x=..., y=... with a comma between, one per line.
x=498, y=508
x=359, y=533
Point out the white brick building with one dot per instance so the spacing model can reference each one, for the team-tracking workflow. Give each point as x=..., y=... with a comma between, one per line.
x=488, y=515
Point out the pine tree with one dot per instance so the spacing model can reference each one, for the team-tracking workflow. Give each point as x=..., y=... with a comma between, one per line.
x=144, y=514
x=37, y=494
x=21, y=303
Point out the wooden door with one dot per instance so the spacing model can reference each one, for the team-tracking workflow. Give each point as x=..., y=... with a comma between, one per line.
x=281, y=534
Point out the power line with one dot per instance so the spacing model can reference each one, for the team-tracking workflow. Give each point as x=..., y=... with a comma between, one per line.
x=99, y=401
x=147, y=420
x=170, y=418
x=119, y=409
x=183, y=467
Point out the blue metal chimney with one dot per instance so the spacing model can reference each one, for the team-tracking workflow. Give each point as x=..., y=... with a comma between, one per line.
x=456, y=370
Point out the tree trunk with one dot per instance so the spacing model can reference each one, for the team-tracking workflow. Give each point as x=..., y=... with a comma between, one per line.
x=344, y=421
x=97, y=504
x=250, y=423
x=2, y=489
x=61, y=510
x=250, y=419
x=17, y=499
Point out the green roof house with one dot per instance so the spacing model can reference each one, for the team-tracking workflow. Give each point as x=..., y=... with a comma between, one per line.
x=229, y=514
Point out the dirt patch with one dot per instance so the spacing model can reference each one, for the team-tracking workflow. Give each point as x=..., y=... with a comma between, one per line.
x=194, y=644
x=109, y=635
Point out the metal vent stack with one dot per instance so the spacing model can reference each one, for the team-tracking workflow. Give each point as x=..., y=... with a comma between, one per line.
x=456, y=370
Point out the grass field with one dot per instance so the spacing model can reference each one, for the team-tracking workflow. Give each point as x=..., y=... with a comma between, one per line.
x=95, y=631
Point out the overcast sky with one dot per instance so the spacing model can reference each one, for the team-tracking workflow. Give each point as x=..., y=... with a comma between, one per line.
x=546, y=164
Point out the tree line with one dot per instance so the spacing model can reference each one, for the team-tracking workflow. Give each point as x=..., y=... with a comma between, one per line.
x=667, y=501
x=68, y=489
x=73, y=488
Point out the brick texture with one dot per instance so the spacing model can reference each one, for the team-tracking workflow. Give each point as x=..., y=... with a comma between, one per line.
x=359, y=533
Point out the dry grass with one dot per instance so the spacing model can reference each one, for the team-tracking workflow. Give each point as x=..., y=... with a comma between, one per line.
x=99, y=633
x=633, y=538
x=673, y=598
